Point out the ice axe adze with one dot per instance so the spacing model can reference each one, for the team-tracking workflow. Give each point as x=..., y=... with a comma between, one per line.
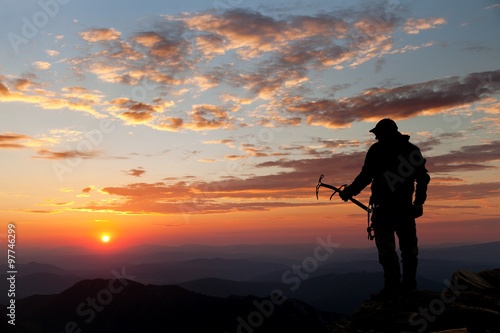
x=369, y=229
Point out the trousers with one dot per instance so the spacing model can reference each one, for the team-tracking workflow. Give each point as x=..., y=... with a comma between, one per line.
x=386, y=226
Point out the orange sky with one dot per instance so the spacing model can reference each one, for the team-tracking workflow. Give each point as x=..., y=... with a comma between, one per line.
x=179, y=124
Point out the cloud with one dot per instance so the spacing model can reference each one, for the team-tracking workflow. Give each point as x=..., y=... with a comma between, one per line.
x=12, y=140
x=286, y=189
x=228, y=142
x=98, y=35
x=52, y=53
x=143, y=113
x=183, y=53
x=234, y=157
x=169, y=124
x=88, y=189
x=431, y=97
x=42, y=65
x=22, y=84
x=209, y=117
x=465, y=191
x=45, y=153
x=467, y=158
x=135, y=172
x=414, y=26
x=493, y=6
x=179, y=198
x=283, y=56
x=291, y=185
x=39, y=211
x=30, y=92
x=148, y=39
x=238, y=29
x=138, y=112
x=4, y=91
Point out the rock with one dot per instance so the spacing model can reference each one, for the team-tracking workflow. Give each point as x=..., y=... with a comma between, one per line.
x=469, y=302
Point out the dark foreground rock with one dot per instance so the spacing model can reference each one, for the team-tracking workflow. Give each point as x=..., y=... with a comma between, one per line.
x=469, y=302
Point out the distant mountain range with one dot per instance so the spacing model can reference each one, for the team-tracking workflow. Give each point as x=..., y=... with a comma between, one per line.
x=339, y=293
x=339, y=284
x=123, y=306
x=84, y=259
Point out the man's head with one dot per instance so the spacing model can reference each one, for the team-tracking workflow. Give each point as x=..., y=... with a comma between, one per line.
x=385, y=128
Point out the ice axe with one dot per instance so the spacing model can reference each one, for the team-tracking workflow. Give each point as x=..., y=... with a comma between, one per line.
x=356, y=202
x=338, y=189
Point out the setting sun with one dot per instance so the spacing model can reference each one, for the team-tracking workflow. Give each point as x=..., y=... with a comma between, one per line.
x=105, y=238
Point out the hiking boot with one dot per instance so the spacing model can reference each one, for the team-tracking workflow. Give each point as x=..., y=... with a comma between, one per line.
x=390, y=290
x=385, y=294
x=409, y=285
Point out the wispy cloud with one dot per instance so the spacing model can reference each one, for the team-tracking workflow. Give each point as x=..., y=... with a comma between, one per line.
x=98, y=35
x=206, y=116
x=13, y=140
x=42, y=65
x=427, y=98
x=45, y=153
x=138, y=172
x=467, y=158
x=88, y=189
x=293, y=185
x=414, y=26
x=282, y=56
x=28, y=91
x=228, y=142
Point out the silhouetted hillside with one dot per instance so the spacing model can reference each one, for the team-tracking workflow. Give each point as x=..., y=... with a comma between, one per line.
x=37, y=283
x=178, y=272
x=339, y=293
x=35, y=267
x=432, y=269
x=124, y=306
x=479, y=253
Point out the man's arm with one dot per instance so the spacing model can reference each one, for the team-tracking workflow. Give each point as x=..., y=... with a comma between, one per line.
x=363, y=179
x=422, y=179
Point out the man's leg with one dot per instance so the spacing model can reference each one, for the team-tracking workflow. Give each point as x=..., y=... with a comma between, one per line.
x=387, y=256
x=408, y=244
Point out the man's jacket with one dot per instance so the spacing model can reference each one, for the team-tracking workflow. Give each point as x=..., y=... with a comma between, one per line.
x=394, y=167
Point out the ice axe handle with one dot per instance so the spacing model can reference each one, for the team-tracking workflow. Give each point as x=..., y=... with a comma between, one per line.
x=359, y=204
x=336, y=189
x=354, y=201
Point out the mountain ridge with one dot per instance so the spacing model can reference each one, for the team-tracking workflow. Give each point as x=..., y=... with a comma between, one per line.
x=123, y=305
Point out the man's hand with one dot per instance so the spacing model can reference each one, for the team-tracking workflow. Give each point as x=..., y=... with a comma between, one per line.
x=418, y=210
x=346, y=193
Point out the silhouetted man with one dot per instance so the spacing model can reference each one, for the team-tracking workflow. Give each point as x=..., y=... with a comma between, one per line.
x=393, y=166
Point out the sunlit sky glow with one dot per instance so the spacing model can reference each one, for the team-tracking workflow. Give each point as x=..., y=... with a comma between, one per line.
x=177, y=122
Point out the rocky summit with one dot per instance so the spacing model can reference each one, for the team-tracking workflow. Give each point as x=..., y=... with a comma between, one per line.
x=469, y=302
